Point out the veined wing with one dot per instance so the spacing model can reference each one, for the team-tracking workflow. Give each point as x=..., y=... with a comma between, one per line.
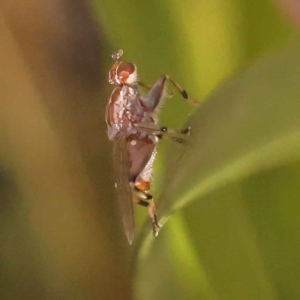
x=122, y=166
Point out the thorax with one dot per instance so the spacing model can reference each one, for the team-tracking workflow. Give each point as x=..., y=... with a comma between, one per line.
x=125, y=109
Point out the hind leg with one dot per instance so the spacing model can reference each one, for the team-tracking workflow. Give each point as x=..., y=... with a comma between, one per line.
x=143, y=198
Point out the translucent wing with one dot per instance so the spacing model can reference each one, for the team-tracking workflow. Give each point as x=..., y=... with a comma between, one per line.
x=122, y=166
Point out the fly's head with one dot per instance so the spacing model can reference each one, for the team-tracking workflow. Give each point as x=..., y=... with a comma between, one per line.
x=122, y=73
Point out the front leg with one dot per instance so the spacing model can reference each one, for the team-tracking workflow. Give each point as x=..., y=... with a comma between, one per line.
x=156, y=92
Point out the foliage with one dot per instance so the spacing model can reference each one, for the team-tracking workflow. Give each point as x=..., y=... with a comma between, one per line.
x=236, y=183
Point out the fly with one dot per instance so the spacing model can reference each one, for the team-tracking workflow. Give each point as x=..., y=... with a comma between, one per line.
x=132, y=124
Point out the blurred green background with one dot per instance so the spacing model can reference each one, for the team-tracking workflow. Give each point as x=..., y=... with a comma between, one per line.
x=232, y=196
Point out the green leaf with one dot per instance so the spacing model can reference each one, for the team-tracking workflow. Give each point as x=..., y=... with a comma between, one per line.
x=238, y=180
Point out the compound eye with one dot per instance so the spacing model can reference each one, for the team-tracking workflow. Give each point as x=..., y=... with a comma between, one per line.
x=127, y=73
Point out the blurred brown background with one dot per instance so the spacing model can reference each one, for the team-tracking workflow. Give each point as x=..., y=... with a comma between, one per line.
x=57, y=222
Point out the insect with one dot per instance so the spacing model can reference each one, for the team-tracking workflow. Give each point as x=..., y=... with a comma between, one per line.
x=132, y=124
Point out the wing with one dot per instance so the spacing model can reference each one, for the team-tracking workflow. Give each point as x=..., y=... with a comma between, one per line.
x=122, y=166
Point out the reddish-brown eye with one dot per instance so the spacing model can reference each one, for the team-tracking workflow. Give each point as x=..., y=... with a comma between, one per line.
x=126, y=73
x=122, y=73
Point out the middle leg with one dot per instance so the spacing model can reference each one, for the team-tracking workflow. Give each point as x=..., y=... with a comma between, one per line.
x=165, y=132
